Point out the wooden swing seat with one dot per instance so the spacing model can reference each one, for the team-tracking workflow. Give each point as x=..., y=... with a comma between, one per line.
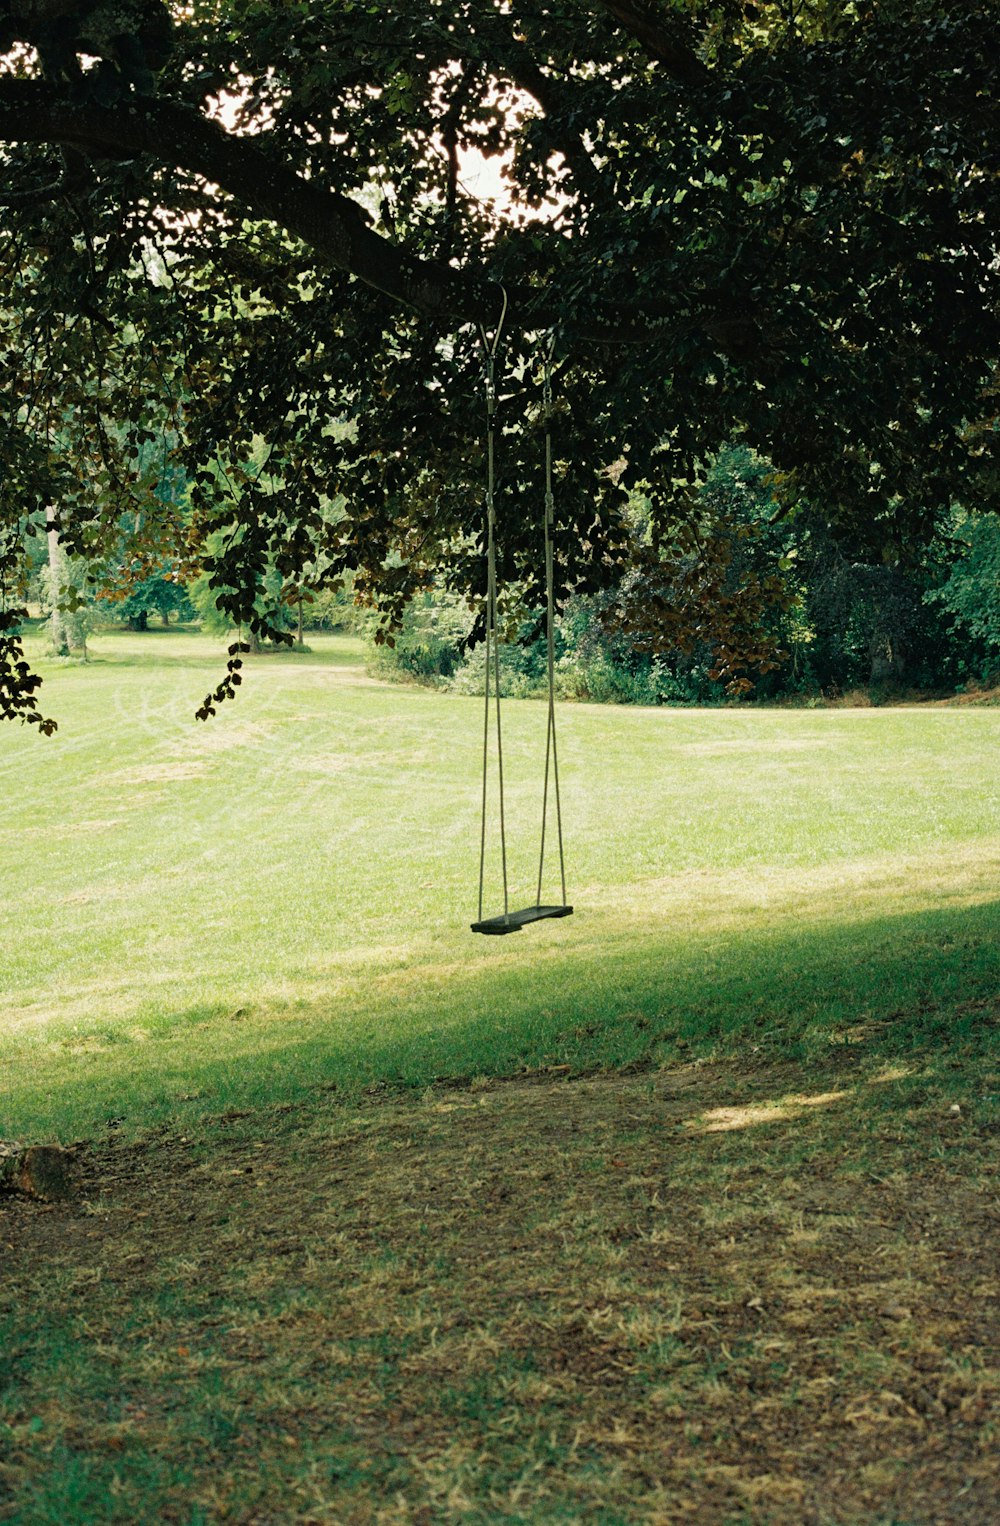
x=513, y=921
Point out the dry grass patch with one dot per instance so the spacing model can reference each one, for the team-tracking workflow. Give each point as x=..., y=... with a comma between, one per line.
x=572, y=1301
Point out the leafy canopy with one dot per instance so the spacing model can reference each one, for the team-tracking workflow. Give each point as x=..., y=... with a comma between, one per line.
x=253, y=240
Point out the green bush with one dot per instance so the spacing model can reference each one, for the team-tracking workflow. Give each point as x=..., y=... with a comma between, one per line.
x=601, y=666
x=522, y=672
x=971, y=591
x=428, y=648
x=331, y=609
x=591, y=664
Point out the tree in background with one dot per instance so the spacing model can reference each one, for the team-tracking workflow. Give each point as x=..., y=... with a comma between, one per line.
x=273, y=595
x=869, y=623
x=740, y=221
x=971, y=592
x=63, y=587
x=716, y=592
x=795, y=610
x=160, y=594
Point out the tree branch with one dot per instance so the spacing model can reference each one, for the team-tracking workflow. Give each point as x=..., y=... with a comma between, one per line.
x=520, y=64
x=662, y=41
x=330, y=223
x=176, y=136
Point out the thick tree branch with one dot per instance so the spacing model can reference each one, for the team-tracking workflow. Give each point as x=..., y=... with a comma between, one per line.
x=663, y=41
x=523, y=69
x=73, y=177
x=330, y=223
x=176, y=136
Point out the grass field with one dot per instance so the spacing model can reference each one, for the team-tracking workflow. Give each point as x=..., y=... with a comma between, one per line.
x=281, y=897
x=680, y=1210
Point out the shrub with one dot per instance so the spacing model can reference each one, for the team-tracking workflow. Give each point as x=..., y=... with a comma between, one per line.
x=428, y=648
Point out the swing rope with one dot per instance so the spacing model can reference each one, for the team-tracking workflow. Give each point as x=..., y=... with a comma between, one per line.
x=509, y=921
x=490, y=347
x=550, y=732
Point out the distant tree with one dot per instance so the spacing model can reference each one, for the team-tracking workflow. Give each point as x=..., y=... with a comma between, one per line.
x=64, y=595
x=718, y=590
x=971, y=591
x=160, y=595
x=275, y=609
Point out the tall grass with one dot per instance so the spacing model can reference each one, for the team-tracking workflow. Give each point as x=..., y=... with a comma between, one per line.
x=198, y=916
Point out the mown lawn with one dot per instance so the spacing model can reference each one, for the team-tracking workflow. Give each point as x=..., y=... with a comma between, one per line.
x=682, y=1210
x=201, y=916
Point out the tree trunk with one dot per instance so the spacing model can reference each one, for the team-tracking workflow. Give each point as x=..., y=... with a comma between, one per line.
x=39, y=1171
x=58, y=634
x=887, y=659
x=67, y=630
x=300, y=642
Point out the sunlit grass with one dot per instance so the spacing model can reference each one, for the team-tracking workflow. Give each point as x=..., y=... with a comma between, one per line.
x=197, y=916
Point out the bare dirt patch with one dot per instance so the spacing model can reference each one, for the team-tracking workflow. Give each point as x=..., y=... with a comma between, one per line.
x=159, y=773
x=706, y=1295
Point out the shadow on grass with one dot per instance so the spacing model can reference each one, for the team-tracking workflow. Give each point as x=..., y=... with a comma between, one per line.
x=924, y=982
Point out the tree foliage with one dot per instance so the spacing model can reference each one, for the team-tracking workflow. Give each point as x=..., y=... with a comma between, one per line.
x=757, y=221
x=971, y=592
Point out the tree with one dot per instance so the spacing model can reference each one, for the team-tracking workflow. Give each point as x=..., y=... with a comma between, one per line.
x=718, y=591
x=158, y=594
x=971, y=591
x=740, y=219
x=63, y=588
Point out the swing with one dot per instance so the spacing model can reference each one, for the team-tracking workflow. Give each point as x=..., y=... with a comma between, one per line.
x=512, y=921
